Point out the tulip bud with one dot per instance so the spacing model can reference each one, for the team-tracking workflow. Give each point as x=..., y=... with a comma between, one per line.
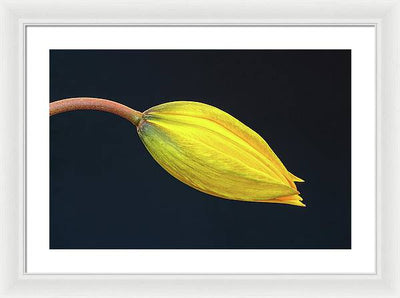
x=213, y=152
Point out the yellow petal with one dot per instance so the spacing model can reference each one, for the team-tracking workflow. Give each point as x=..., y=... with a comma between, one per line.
x=200, y=110
x=291, y=200
x=295, y=179
x=215, y=153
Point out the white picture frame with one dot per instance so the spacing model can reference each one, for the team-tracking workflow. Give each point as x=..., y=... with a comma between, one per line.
x=14, y=16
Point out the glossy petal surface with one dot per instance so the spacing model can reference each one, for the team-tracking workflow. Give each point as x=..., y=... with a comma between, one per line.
x=215, y=153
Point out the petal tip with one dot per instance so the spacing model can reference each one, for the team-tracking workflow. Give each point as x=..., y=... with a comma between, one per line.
x=295, y=178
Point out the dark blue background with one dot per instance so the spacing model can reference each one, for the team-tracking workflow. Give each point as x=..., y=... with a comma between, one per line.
x=106, y=191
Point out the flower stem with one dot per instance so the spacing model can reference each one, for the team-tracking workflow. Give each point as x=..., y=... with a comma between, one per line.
x=98, y=104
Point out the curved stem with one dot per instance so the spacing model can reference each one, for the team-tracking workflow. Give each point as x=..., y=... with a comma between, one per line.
x=98, y=104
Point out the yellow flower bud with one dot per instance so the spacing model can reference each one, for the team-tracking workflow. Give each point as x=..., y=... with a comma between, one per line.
x=213, y=152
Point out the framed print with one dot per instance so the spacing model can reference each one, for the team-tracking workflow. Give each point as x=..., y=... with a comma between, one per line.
x=256, y=153
x=133, y=218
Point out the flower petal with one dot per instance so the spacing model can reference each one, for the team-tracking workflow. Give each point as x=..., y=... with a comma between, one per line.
x=215, y=153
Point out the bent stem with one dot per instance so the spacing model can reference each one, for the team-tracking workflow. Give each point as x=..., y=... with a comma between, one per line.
x=97, y=104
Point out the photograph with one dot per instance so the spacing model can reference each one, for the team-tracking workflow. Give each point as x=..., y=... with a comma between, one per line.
x=200, y=149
